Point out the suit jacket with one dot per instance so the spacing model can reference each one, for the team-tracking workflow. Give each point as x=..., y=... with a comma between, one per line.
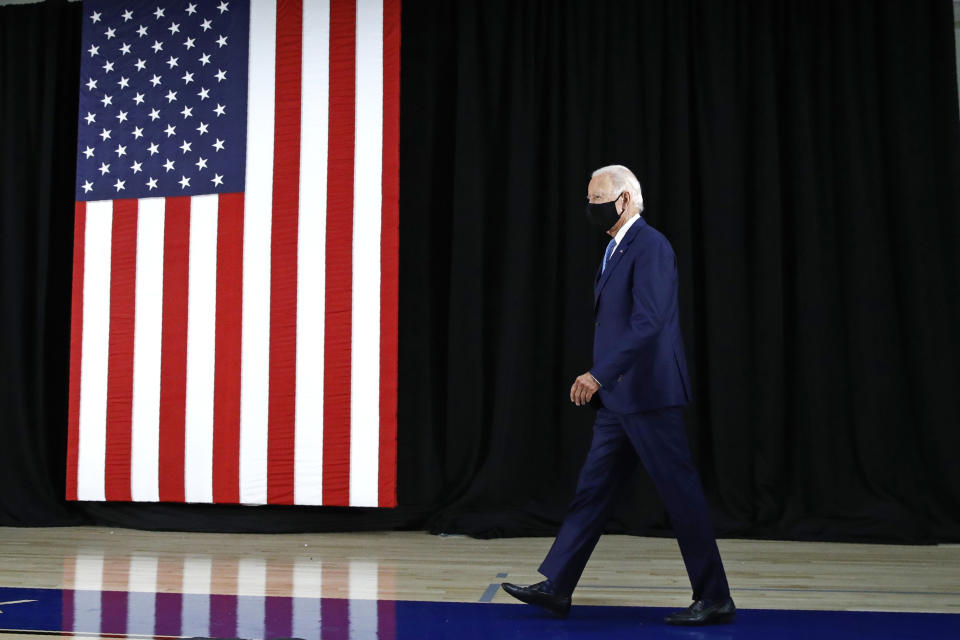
x=638, y=354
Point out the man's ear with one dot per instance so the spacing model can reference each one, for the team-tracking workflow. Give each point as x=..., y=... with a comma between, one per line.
x=626, y=202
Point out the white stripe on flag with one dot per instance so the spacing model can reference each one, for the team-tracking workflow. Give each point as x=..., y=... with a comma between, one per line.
x=257, y=225
x=367, y=203
x=145, y=435
x=91, y=449
x=311, y=253
x=201, y=340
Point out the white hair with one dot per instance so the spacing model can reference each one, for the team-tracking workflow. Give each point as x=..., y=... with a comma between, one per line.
x=623, y=180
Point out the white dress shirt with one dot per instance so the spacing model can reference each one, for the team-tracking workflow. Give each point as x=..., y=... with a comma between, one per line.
x=623, y=230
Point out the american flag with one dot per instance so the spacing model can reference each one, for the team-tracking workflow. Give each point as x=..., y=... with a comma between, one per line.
x=234, y=319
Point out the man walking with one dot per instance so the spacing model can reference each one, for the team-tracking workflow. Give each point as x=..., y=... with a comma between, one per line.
x=639, y=374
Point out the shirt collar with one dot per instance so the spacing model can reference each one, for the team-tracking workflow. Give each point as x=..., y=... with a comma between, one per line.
x=623, y=230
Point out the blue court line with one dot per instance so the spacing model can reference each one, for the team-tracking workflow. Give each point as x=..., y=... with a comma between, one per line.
x=203, y=615
x=490, y=592
x=787, y=589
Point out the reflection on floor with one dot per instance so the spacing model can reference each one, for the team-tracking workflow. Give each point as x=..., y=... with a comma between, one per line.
x=91, y=583
x=42, y=612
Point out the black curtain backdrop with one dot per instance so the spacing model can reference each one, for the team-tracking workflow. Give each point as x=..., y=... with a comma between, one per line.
x=802, y=157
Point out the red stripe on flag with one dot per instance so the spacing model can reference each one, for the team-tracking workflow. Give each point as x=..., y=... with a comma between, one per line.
x=339, y=254
x=226, y=381
x=173, y=355
x=123, y=287
x=389, y=254
x=76, y=344
x=283, y=254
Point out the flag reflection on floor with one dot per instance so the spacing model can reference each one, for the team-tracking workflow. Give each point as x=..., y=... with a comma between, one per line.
x=208, y=596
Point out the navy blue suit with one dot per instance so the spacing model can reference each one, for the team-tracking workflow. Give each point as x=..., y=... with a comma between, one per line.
x=639, y=360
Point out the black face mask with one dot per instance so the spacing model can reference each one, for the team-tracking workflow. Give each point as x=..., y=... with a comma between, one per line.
x=603, y=215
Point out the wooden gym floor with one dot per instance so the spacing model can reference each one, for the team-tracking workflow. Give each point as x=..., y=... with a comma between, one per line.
x=412, y=566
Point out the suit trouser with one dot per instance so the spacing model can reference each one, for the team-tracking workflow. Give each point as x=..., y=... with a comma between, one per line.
x=658, y=439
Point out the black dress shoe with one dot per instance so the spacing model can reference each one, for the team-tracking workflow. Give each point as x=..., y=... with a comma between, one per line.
x=543, y=594
x=704, y=612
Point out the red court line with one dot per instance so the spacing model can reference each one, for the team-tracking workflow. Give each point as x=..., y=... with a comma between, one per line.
x=173, y=354
x=339, y=254
x=76, y=344
x=226, y=377
x=123, y=280
x=283, y=254
x=389, y=255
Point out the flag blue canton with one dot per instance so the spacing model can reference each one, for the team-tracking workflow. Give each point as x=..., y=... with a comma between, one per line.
x=163, y=99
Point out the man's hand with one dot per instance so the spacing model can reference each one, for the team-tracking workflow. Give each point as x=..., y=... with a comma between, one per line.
x=583, y=389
